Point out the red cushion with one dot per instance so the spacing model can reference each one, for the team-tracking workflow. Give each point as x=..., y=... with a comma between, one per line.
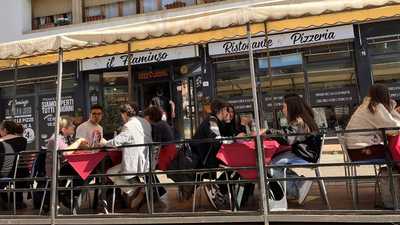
x=167, y=154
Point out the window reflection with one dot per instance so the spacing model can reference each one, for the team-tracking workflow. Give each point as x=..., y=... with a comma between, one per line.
x=115, y=91
x=331, y=89
x=385, y=60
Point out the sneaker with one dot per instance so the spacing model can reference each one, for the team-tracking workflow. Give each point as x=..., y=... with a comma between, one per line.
x=304, y=190
x=210, y=191
x=217, y=199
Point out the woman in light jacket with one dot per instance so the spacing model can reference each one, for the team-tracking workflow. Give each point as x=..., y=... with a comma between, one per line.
x=376, y=111
x=135, y=131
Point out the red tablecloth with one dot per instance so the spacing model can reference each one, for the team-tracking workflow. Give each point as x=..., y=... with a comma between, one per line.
x=244, y=155
x=85, y=162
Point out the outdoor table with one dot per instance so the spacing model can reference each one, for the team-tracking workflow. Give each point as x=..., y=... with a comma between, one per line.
x=243, y=154
x=84, y=162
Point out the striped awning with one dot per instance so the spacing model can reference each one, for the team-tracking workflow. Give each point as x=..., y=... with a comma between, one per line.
x=197, y=28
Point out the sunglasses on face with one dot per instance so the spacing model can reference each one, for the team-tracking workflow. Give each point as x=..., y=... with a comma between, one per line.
x=97, y=114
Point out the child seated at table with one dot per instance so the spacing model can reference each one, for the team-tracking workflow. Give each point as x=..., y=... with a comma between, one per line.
x=64, y=142
x=305, y=148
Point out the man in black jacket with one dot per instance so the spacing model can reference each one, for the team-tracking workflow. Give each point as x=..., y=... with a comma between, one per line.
x=210, y=129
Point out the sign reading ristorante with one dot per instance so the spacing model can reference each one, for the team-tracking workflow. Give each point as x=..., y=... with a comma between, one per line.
x=140, y=58
x=283, y=40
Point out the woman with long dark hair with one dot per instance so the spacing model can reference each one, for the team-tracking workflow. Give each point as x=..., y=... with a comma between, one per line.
x=376, y=111
x=305, y=147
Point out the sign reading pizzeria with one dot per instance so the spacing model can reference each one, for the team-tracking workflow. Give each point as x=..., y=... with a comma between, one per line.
x=138, y=58
x=283, y=40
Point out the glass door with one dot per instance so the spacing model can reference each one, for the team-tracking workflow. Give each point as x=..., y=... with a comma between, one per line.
x=188, y=93
x=187, y=105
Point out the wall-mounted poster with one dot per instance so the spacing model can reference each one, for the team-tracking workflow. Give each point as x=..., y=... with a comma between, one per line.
x=47, y=111
x=24, y=115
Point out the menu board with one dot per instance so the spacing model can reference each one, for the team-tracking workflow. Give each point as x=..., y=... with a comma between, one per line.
x=47, y=112
x=242, y=103
x=24, y=115
x=394, y=90
x=343, y=95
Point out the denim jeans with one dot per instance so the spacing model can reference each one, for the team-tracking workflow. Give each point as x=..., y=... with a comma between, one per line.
x=287, y=158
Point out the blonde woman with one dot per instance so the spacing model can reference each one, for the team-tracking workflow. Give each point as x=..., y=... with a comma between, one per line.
x=65, y=141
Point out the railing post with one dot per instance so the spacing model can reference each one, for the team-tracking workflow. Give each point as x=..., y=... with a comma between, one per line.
x=53, y=205
x=389, y=162
x=260, y=149
x=150, y=179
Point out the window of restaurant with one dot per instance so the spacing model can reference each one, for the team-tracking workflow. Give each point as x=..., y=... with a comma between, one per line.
x=384, y=53
x=332, y=84
x=331, y=88
x=35, y=105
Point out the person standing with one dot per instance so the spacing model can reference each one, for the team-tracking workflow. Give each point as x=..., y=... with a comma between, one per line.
x=91, y=129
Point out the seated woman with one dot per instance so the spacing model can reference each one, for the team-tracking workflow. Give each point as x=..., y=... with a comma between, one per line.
x=230, y=127
x=135, y=131
x=65, y=141
x=11, y=133
x=300, y=119
x=161, y=131
x=376, y=111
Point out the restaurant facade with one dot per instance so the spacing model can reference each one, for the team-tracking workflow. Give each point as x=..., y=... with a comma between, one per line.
x=331, y=67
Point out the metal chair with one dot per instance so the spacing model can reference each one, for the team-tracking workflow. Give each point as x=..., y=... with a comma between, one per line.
x=321, y=182
x=351, y=170
x=24, y=160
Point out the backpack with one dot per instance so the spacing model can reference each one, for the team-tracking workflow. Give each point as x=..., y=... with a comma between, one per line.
x=184, y=160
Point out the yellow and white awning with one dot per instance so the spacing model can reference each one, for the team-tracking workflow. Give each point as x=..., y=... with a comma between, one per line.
x=196, y=28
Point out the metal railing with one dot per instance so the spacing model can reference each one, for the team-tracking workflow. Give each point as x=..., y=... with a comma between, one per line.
x=150, y=185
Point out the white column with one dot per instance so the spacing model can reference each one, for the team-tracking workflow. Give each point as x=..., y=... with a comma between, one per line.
x=77, y=11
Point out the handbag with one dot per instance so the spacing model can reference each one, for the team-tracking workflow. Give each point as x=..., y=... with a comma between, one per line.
x=394, y=146
x=309, y=149
x=184, y=160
